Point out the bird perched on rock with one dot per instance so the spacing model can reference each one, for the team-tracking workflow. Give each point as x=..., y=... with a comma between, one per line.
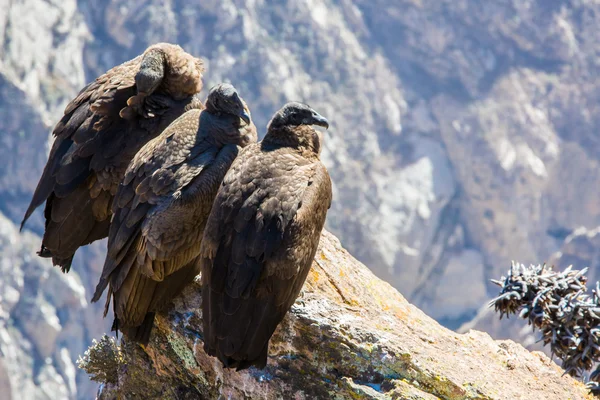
x=261, y=237
x=100, y=132
x=161, y=208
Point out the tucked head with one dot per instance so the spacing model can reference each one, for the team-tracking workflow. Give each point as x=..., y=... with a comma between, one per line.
x=168, y=67
x=224, y=99
x=151, y=72
x=294, y=114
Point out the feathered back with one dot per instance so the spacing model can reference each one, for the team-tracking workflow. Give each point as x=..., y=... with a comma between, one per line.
x=100, y=132
x=161, y=208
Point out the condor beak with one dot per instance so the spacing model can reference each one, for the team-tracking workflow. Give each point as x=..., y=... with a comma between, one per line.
x=318, y=119
x=245, y=116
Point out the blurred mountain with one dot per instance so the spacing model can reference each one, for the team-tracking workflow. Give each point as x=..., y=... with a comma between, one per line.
x=463, y=135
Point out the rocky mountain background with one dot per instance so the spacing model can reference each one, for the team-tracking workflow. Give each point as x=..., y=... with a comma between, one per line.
x=463, y=136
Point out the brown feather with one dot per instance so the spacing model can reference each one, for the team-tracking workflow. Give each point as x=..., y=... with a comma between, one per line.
x=94, y=144
x=160, y=211
x=261, y=237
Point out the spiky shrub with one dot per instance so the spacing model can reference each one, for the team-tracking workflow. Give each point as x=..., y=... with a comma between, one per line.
x=101, y=360
x=558, y=305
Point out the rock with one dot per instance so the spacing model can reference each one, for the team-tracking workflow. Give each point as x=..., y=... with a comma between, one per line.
x=581, y=249
x=40, y=323
x=349, y=335
x=41, y=51
x=45, y=323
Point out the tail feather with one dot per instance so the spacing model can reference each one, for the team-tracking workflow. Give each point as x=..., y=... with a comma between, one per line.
x=46, y=184
x=237, y=330
x=140, y=294
x=140, y=333
x=70, y=224
x=259, y=362
x=240, y=340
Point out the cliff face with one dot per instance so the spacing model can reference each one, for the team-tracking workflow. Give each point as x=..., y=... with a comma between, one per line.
x=463, y=132
x=45, y=318
x=349, y=335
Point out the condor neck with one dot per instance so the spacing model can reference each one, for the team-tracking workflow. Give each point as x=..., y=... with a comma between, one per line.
x=302, y=138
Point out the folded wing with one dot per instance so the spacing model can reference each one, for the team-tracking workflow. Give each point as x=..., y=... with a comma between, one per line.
x=257, y=250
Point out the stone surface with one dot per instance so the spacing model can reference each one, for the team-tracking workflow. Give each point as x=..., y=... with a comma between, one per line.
x=44, y=323
x=349, y=335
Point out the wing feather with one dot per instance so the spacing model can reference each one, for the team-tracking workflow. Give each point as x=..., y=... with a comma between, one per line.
x=94, y=144
x=257, y=249
x=159, y=217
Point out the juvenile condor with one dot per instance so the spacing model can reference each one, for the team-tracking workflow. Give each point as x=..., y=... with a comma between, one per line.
x=261, y=237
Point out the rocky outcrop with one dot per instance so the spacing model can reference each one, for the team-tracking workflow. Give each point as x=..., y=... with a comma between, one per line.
x=349, y=335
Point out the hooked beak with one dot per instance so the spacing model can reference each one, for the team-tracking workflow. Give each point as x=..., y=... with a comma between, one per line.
x=319, y=120
x=245, y=116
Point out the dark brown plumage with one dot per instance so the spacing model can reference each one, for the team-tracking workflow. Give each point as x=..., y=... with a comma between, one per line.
x=100, y=132
x=162, y=205
x=261, y=237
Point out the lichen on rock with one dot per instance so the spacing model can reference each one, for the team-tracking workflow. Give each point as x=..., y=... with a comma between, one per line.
x=348, y=336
